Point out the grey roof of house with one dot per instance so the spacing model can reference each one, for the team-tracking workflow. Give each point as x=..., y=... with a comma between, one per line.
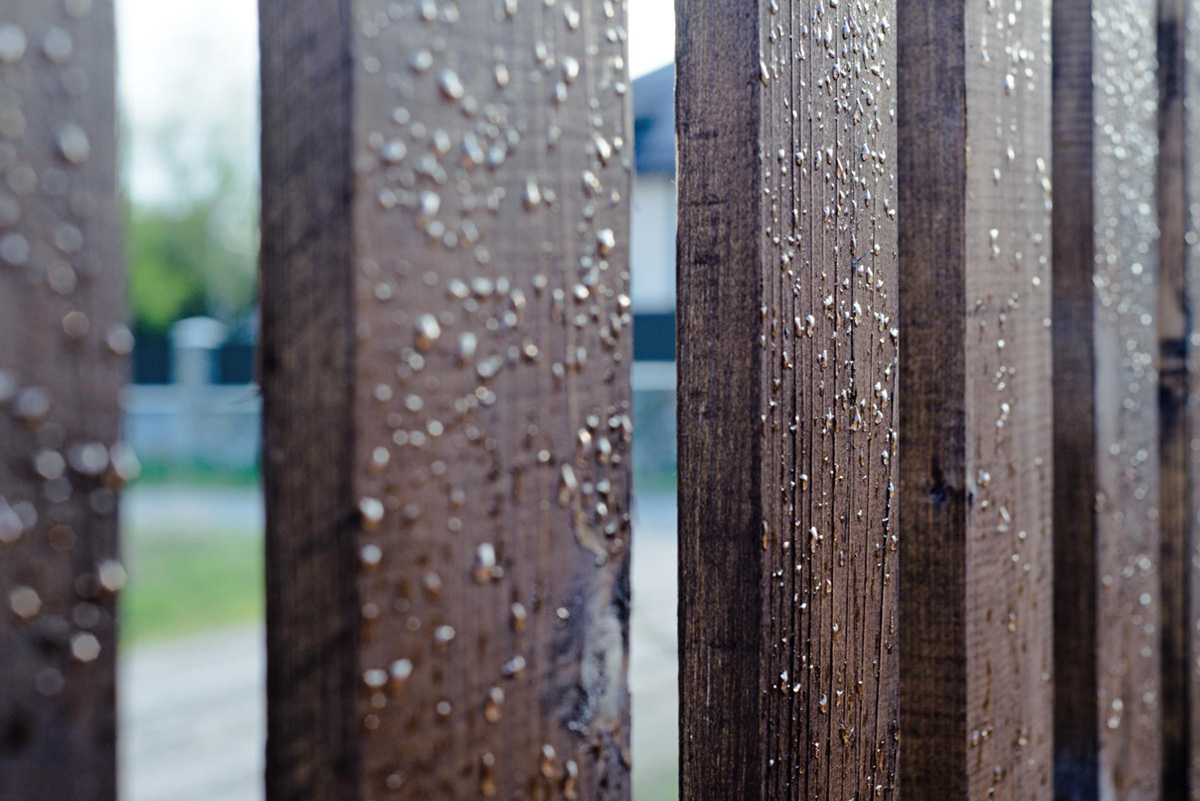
x=654, y=122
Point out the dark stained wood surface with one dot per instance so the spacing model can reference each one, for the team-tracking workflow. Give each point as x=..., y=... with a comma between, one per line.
x=1109, y=693
x=720, y=454
x=975, y=404
x=1188, y=63
x=307, y=378
x=446, y=369
x=787, y=415
x=1174, y=320
x=1076, y=734
x=63, y=345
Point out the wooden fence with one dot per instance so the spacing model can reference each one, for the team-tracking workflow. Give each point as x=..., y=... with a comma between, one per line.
x=63, y=348
x=939, y=379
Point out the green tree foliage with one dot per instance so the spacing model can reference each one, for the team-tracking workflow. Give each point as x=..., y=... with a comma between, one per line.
x=193, y=249
x=183, y=263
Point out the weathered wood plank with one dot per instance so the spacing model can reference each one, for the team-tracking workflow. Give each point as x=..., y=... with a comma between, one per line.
x=446, y=375
x=787, y=416
x=307, y=379
x=1174, y=320
x=1188, y=39
x=1076, y=735
x=62, y=365
x=975, y=403
x=1109, y=691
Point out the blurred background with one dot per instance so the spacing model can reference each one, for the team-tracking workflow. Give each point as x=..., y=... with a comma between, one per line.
x=192, y=689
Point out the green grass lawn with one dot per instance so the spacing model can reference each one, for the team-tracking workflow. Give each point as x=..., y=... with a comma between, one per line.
x=186, y=582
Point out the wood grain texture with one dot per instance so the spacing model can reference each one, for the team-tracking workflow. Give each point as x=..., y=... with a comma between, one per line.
x=720, y=453
x=1109, y=693
x=63, y=345
x=307, y=364
x=975, y=402
x=787, y=369
x=1076, y=734
x=1189, y=41
x=1174, y=321
x=446, y=369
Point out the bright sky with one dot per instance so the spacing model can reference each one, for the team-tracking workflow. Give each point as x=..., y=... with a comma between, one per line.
x=189, y=82
x=188, y=75
x=651, y=35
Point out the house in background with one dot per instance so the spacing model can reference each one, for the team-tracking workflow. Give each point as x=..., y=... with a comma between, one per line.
x=653, y=230
x=194, y=406
x=652, y=253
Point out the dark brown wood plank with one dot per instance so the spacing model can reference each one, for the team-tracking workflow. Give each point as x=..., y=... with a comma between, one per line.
x=976, y=462
x=446, y=371
x=63, y=345
x=1076, y=734
x=1174, y=320
x=1109, y=693
x=1189, y=556
x=787, y=416
x=307, y=378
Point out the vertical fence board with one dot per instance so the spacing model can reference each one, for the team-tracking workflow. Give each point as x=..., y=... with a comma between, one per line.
x=63, y=344
x=1188, y=39
x=1109, y=696
x=307, y=377
x=720, y=449
x=446, y=371
x=62, y=348
x=975, y=403
x=787, y=366
x=1173, y=318
x=1076, y=735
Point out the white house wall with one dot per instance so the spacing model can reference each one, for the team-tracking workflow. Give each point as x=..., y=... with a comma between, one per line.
x=653, y=244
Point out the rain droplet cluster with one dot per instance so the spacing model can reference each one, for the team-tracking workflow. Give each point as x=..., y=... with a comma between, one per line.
x=829, y=337
x=494, y=343
x=1126, y=251
x=62, y=363
x=1008, y=399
